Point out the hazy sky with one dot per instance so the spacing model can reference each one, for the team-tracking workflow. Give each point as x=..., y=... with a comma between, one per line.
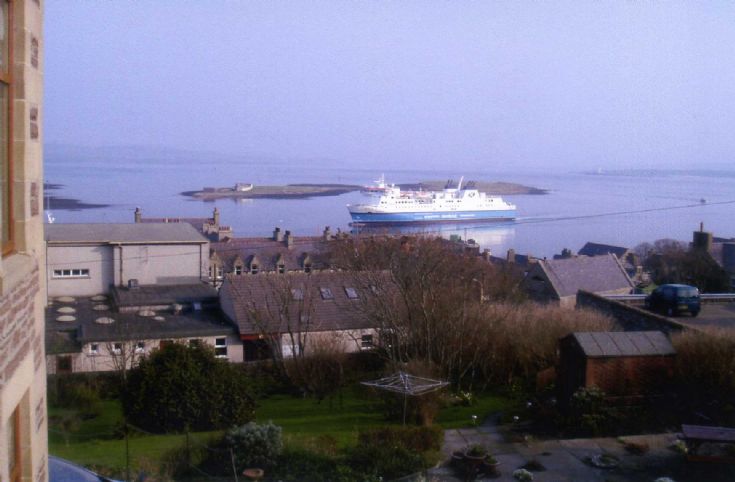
x=576, y=85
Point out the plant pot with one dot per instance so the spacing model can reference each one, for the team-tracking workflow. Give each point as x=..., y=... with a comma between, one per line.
x=457, y=458
x=490, y=468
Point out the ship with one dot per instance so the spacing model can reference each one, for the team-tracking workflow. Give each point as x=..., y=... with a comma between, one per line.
x=452, y=204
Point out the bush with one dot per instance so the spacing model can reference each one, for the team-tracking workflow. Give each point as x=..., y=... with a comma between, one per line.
x=302, y=465
x=416, y=439
x=255, y=445
x=590, y=412
x=186, y=387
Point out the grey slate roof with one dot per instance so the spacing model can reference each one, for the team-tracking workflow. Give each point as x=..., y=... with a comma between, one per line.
x=68, y=337
x=270, y=253
x=597, y=274
x=152, y=295
x=597, y=249
x=624, y=343
x=123, y=233
x=264, y=302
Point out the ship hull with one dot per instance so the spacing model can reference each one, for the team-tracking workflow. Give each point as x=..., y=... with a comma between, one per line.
x=431, y=217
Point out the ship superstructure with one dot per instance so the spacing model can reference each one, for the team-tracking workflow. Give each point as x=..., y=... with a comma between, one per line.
x=394, y=206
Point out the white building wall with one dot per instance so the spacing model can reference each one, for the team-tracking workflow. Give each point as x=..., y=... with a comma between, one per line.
x=96, y=259
x=163, y=263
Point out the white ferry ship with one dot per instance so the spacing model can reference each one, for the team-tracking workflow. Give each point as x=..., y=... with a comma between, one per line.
x=394, y=206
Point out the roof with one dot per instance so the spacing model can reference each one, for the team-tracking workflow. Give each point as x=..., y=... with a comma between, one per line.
x=68, y=336
x=269, y=253
x=623, y=343
x=597, y=249
x=134, y=233
x=269, y=302
x=153, y=295
x=597, y=274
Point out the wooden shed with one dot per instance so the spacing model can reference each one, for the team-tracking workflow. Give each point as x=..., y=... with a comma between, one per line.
x=622, y=364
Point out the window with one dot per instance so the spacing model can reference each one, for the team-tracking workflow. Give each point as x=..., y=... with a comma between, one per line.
x=351, y=293
x=238, y=270
x=71, y=273
x=219, y=272
x=220, y=347
x=6, y=109
x=15, y=461
x=117, y=348
x=281, y=268
x=326, y=293
x=63, y=364
x=297, y=294
x=366, y=341
x=307, y=268
x=254, y=269
x=140, y=347
x=94, y=349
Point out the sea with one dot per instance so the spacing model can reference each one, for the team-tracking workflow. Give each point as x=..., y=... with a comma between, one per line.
x=622, y=208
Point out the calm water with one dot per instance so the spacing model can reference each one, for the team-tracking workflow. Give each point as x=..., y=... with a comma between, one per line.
x=615, y=209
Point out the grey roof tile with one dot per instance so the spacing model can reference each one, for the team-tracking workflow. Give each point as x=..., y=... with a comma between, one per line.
x=123, y=233
x=597, y=274
x=623, y=343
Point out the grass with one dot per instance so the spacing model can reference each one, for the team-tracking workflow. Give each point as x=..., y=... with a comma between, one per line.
x=304, y=421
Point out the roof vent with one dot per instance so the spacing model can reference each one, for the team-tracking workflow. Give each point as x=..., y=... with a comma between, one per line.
x=133, y=284
x=100, y=307
x=65, y=299
x=197, y=306
x=104, y=320
x=146, y=313
x=66, y=310
x=159, y=318
x=65, y=318
x=99, y=298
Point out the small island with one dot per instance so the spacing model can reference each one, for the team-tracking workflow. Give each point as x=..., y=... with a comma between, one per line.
x=303, y=191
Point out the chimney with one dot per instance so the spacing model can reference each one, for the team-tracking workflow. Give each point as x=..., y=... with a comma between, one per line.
x=702, y=240
x=566, y=253
x=486, y=255
x=728, y=257
x=138, y=215
x=215, y=215
x=277, y=235
x=289, y=239
x=327, y=233
x=511, y=256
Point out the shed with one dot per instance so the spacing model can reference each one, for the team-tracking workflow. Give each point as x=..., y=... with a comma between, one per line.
x=622, y=364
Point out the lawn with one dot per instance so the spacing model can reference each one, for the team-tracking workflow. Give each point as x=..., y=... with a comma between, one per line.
x=304, y=421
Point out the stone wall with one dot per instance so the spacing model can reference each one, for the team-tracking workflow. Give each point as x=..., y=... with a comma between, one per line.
x=630, y=318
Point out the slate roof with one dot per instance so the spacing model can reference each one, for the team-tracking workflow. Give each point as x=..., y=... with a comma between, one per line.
x=266, y=303
x=152, y=295
x=597, y=274
x=269, y=253
x=597, y=249
x=134, y=233
x=623, y=343
x=68, y=337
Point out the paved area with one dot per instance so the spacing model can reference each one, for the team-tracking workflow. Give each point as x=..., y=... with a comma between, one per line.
x=714, y=315
x=568, y=460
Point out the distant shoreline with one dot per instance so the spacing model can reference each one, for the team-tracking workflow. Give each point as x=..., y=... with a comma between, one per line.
x=304, y=191
x=54, y=203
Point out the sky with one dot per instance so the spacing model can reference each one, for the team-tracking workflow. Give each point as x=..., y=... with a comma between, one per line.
x=480, y=84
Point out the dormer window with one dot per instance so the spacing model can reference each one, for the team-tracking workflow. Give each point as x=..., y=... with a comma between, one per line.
x=281, y=268
x=307, y=267
x=253, y=269
x=326, y=293
x=351, y=293
x=238, y=270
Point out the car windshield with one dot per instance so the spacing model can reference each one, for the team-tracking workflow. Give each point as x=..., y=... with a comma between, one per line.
x=688, y=292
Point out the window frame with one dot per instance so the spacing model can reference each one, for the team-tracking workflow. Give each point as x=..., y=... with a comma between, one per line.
x=83, y=273
x=220, y=347
x=6, y=78
x=16, y=470
x=94, y=349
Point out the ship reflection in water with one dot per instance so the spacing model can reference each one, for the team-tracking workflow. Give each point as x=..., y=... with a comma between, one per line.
x=496, y=237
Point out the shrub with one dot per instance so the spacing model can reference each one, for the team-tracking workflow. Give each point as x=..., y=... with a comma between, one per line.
x=384, y=461
x=255, y=445
x=416, y=439
x=185, y=387
x=86, y=400
x=590, y=412
x=302, y=465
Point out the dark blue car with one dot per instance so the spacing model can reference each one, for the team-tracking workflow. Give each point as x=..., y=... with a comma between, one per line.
x=674, y=299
